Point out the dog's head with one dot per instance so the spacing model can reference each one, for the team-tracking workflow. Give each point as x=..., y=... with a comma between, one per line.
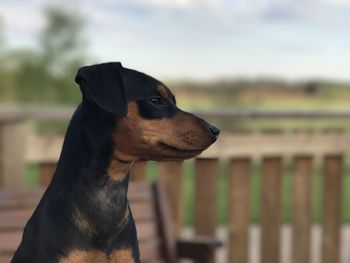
x=149, y=126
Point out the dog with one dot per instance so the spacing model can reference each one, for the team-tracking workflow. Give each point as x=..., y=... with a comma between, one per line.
x=125, y=116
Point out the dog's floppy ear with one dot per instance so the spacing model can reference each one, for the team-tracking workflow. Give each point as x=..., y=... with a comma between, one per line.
x=102, y=85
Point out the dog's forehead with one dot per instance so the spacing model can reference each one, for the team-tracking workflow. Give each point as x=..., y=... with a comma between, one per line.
x=138, y=85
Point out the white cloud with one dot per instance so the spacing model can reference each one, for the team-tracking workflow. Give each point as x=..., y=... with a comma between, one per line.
x=24, y=17
x=338, y=2
x=186, y=4
x=241, y=36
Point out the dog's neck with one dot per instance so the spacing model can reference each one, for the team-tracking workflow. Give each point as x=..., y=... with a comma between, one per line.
x=96, y=184
x=88, y=152
x=118, y=169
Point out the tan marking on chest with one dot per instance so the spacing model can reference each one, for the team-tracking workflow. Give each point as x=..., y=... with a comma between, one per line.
x=81, y=222
x=118, y=170
x=80, y=256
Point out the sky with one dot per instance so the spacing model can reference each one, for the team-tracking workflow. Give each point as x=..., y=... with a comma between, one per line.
x=204, y=39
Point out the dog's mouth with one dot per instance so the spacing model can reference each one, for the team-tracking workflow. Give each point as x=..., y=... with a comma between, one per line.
x=178, y=150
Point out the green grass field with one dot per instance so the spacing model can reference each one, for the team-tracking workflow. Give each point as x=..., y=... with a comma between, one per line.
x=222, y=189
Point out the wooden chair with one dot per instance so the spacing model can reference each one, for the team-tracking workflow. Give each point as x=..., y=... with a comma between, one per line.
x=157, y=239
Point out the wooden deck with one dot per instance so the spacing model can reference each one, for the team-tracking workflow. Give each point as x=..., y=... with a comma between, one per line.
x=286, y=239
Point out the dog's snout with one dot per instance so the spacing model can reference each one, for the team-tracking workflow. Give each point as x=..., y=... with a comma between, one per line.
x=214, y=130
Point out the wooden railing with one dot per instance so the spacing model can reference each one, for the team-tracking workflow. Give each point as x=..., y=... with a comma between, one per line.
x=239, y=184
x=273, y=151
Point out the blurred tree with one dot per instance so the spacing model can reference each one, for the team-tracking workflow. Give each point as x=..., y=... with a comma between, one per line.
x=2, y=39
x=7, y=87
x=33, y=81
x=63, y=48
x=62, y=40
x=48, y=75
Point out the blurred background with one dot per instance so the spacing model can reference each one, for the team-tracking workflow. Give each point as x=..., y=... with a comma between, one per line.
x=274, y=75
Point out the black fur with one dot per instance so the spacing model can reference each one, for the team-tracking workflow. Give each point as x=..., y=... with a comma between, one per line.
x=156, y=110
x=110, y=86
x=80, y=182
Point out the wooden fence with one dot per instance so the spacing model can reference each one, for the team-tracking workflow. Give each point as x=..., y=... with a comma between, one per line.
x=17, y=149
x=239, y=179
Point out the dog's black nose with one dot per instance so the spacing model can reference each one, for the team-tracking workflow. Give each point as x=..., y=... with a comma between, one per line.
x=214, y=130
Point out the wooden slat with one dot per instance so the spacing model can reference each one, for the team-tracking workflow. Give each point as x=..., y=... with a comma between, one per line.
x=140, y=191
x=271, y=209
x=138, y=171
x=143, y=211
x=46, y=171
x=239, y=210
x=333, y=167
x=20, y=198
x=150, y=251
x=206, y=190
x=9, y=241
x=14, y=219
x=302, y=199
x=206, y=177
x=170, y=174
x=166, y=226
x=5, y=258
x=13, y=135
x=317, y=144
x=147, y=231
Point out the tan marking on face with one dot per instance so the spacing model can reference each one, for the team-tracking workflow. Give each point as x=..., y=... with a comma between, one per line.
x=118, y=170
x=163, y=91
x=95, y=256
x=137, y=138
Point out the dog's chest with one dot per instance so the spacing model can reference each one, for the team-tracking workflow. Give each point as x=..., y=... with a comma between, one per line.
x=81, y=256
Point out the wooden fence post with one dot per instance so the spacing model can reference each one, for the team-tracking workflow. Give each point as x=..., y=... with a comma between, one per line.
x=206, y=196
x=170, y=173
x=333, y=168
x=239, y=215
x=271, y=209
x=138, y=171
x=302, y=199
x=13, y=134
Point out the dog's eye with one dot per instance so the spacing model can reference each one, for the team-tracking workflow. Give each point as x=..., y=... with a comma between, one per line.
x=157, y=101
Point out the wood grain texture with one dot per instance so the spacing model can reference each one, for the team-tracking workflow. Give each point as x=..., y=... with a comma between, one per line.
x=239, y=210
x=206, y=178
x=302, y=199
x=13, y=144
x=170, y=174
x=333, y=167
x=138, y=171
x=271, y=209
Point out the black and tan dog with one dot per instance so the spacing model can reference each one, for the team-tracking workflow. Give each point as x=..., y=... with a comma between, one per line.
x=125, y=116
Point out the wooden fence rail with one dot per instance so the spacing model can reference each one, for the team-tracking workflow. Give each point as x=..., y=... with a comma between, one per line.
x=239, y=182
x=65, y=113
x=16, y=149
